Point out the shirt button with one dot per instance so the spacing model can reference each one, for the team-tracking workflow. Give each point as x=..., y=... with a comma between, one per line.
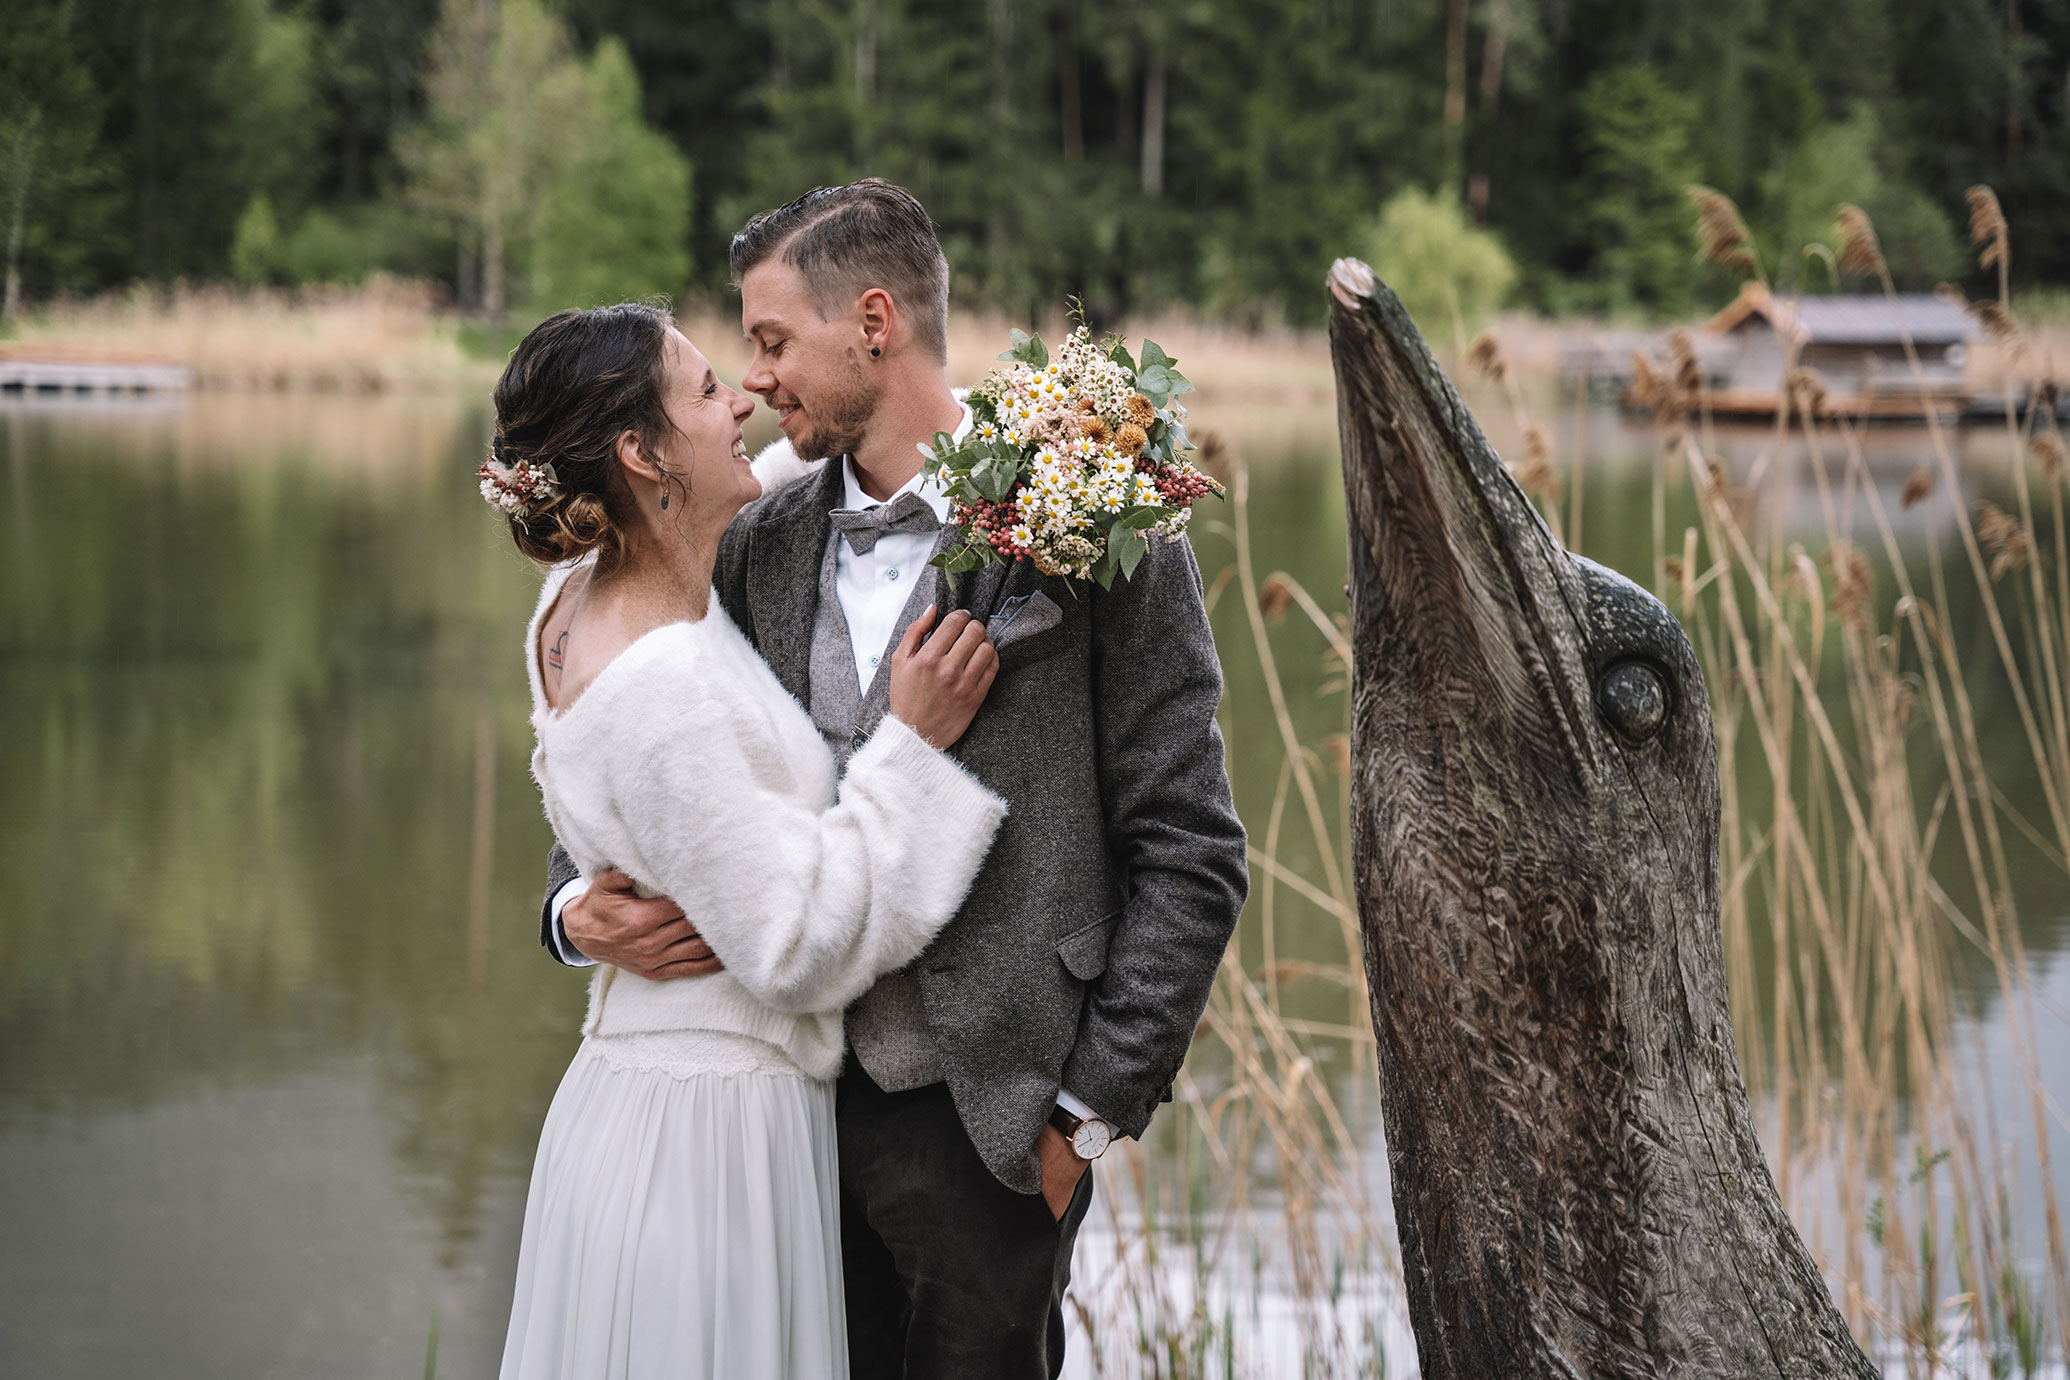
x=891, y=574
x=873, y=661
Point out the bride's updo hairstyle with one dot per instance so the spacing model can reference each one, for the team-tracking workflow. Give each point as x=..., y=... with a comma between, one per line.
x=577, y=382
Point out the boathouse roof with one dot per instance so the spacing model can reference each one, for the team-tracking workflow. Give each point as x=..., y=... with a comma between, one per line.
x=1867, y=319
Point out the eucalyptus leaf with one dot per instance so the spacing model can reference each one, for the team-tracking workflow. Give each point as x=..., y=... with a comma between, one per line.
x=1104, y=568
x=1154, y=355
x=1140, y=519
x=970, y=556
x=994, y=478
x=1120, y=355
x=1133, y=547
x=1027, y=349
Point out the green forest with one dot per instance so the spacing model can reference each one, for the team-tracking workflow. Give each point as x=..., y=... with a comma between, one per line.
x=1142, y=155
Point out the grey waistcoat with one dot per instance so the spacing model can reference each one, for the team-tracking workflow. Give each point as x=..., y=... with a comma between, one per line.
x=887, y=1026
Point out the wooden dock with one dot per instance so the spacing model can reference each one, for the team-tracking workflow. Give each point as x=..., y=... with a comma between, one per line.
x=28, y=367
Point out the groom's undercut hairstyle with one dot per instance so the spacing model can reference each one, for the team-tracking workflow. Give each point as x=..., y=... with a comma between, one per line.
x=846, y=240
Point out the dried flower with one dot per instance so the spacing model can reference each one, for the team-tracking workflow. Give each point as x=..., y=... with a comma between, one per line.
x=1860, y=253
x=1484, y=357
x=1139, y=410
x=1535, y=471
x=516, y=488
x=1987, y=227
x=1095, y=429
x=1338, y=745
x=1919, y=487
x=1688, y=371
x=1721, y=235
x=1648, y=389
x=2048, y=452
x=2003, y=537
x=1803, y=581
x=1854, y=586
x=1276, y=597
x=1717, y=479
x=1808, y=392
x=1131, y=439
x=1998, y=323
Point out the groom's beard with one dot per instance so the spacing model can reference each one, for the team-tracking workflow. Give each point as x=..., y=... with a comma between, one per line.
x=840, y=419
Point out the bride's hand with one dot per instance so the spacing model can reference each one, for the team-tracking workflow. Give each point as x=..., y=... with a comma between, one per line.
x=937, y=685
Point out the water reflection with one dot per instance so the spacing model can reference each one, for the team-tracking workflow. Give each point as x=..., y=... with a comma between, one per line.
x=275, y=1034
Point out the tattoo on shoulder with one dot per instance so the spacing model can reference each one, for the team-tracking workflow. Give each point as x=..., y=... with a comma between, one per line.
x=558, y=650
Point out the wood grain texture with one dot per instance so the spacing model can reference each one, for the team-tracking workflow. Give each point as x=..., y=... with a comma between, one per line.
x=1577, y=1183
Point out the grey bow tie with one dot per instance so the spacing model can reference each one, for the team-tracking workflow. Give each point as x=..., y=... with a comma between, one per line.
x=862, y=526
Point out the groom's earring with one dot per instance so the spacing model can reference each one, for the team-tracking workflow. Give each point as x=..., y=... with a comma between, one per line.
x=874, y=352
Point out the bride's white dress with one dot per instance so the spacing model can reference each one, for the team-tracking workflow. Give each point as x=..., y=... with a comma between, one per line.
x=683, y=1218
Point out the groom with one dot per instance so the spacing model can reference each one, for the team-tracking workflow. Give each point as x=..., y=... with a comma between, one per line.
x=1056, y=1008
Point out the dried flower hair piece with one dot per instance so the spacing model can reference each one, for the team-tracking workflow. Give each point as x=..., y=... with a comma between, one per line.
x=516, y=487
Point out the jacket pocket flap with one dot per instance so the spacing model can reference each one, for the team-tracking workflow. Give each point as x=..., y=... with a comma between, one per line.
x=1022, y=617
x=1084, y=950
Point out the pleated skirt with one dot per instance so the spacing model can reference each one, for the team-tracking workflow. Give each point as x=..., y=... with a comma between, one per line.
x=681, y=1226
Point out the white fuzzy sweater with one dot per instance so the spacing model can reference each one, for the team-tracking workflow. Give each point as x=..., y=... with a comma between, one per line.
x=688, y=766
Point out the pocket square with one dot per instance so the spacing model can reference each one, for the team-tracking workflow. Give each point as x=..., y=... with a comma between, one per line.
x=1021, y=617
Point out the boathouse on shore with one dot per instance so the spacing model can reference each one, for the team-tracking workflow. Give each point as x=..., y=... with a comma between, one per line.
x=1855, y=345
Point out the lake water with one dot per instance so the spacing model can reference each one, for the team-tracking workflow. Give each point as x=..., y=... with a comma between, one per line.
x=276, y=1036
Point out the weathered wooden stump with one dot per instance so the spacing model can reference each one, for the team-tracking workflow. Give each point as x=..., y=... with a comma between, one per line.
x=1577, y=1183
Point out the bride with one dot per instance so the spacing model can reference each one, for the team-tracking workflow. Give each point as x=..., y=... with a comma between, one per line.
x=683, y=1218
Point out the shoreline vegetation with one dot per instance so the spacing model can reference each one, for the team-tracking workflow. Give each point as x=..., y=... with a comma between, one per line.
x=400, y=335
x=1871, y=853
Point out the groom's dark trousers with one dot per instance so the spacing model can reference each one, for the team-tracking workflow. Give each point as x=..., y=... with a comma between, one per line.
x=1081, y=958
x=949, y=1272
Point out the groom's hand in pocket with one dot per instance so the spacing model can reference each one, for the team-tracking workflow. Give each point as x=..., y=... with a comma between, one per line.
x=1061, y=1169
x=646, y=936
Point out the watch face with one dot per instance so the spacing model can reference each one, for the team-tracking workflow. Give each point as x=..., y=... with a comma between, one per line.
x=1091, y=1140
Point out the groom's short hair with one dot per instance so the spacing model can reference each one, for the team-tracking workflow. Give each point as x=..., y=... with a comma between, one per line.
x=846, y=240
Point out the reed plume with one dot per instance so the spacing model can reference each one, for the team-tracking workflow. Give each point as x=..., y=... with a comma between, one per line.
x=1861, y=254
x=1722, y=235
x=1987, y=227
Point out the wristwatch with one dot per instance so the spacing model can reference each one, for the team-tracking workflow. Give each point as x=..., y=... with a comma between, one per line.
x=1089, y=1136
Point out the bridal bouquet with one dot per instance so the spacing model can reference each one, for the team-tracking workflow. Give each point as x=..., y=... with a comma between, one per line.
x=1074, y=462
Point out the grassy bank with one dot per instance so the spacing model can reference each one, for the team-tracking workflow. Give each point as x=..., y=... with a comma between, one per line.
x=396, y=336
x=386, y=336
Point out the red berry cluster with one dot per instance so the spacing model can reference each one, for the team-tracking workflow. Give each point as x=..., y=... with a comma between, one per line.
x=1177, y=486
x=995, y=523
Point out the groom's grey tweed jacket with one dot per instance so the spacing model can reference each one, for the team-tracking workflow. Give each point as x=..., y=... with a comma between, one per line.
x=1083, y=955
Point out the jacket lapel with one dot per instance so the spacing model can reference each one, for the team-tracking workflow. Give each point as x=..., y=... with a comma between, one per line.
x=979, y=592
x=784, y=560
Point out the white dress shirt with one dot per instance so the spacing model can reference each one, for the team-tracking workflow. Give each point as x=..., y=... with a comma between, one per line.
x=873, y=585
